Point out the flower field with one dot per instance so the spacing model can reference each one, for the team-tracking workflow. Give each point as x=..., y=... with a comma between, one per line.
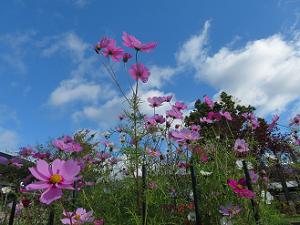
x=210, y=165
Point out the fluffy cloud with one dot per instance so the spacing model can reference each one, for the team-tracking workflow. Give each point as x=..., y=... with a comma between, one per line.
x=263, y=73
x=9, y=139
x=75, y=90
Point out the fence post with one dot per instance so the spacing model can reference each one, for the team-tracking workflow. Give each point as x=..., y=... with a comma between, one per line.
x=51, y=217
x=13, y=211
x=249, y=185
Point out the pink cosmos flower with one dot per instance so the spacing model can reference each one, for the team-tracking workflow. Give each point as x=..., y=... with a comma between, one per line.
x=155, y=101
x=168, y=98
x=196, y=128
x=226, y=115
x=174, y=113
x=67, y=144
x=209, y=102
x=26, y=151
x=252, y=120
x=139, y=71
x=273, y=123
x=40, y=155
x=116, y=53
x=239, y=187
x=159, y=118
x=240, y=146
x=153, y=153
x=295, y=120
x=185, y=135
x=103, y=43
x=230, y=210
x=80, y=216
x=126, y=57
x=205, y=120
x=13, y=161
x=52, y=178
x=152, y=185
x=132, y=42
x=253, y=176
x=179, y=106
x=99, y=222
x=297, y=142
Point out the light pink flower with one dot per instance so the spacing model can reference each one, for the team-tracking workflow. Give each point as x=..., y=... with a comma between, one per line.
x=226, y=115
x=52, y=178
x=153, y=153
x=208, y=102
x=273, y=123
x=240, y=146
x=179, y=106
x=67, y=144
x=155, y=101
x=80, y=216
x=174, y=113
x=132, y=42
x=139, y=72
x=184, y=136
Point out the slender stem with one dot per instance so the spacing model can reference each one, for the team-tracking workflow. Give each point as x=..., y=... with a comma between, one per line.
x=195, y=194
x=13, y=211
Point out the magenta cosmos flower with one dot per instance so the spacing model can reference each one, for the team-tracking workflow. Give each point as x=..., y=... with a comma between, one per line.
x=132, y=42
x=226, y=115
x=126, y=57
x=52, y=178
x=230, y=210
x=240, y=146
x=67, y=144
x=116, y=53
x=139, y=72
x=80, y=216
x=239, y=187
x=103, y=43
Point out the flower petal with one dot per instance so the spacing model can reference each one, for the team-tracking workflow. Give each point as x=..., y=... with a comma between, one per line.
x=50, y=195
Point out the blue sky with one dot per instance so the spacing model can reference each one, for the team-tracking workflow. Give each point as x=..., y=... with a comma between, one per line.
x=52, y=82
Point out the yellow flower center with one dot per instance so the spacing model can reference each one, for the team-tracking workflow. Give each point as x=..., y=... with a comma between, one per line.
x=55, y=178
x=77, y=217
x=239, y=186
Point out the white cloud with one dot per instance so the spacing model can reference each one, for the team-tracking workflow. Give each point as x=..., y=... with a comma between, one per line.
x=74, y=90
x=13, y=50
x=263, y=73
x=160, y=76
x=9, y=140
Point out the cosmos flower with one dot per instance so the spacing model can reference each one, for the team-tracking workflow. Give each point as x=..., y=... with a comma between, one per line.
x=132, y=42
x=184, y=136
x=208, y=102
x=103, y=43
x=139, y=72
x=240, y=146
x=174, y=113
x=155, y=101
x=239, y=187
x=80, y=216
x=116, y=53
x=53, y=178
x=273, y=123
x=67, y=144
x=230, y=210
x=226, y=115
x=126, y=57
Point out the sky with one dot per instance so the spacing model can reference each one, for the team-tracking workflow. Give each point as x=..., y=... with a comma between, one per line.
x=52, y=82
